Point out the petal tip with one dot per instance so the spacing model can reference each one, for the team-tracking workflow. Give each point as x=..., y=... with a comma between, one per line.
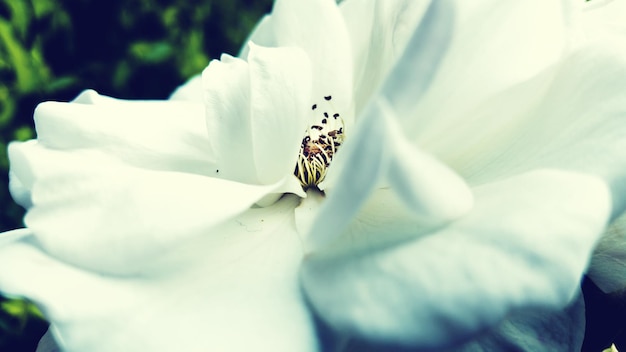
x=88, y=96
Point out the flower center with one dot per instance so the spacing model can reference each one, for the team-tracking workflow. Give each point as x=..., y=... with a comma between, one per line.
x=319, y=145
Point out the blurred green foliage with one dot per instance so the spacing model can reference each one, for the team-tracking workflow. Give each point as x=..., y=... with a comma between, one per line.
x=53, y=49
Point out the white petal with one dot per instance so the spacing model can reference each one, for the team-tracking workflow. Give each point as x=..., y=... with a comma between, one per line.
x=306, y=212
x=14, y=235
x=257, y=112
x=527, y=330
x=382, y=221
x=19, y=192
x=263, y=34
x=544, y=117
x=576, y=125
x=608, y=264
x=431, y=190
x=418, y=67
x=289, y=185
x=227, y=100
x=234, y=289
x=319, y=29
x=160, y=135
x=607, y=13
x=280, y=83
x=532, y=330
x=525, y=244
x=109, y=217
x=494, y=40
x=379, y=31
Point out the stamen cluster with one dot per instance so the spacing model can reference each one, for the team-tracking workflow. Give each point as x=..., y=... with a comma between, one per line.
x=319, y=145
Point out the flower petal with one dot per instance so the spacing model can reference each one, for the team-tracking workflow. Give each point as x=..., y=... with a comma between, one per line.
x=319, y=29
x=109, y=217
x=537, y=329
x=525, y=244
x=19, y=192
x=234, y=289
x=556, y=125
x=262, y=34
x=575, y=126
x=431, y=190
x=257, y=112
x=608, y=264
x=227, y=101
x=556, y=122
x=527, y=330
x=607, y=13
x=499, y=59
x=379, y=31
x=280, y=82
x=160, y=135
x=382, y=211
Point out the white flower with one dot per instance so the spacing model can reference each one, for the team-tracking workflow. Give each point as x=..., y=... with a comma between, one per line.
x=142, y=232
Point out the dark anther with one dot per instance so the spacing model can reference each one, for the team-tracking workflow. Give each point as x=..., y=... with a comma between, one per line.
x=340, y=130
x=332, y=133
x=325, y=114
x=317, y=127
x=217, y=171
x=328, y=97
x=314, y=107
x=336, y=115
x=324, y=121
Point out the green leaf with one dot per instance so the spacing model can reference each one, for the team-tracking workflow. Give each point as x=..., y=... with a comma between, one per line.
x=43, y=7
x=7, y=106
x=28, y=69
x=20, y=16
x=151, y=52
x=23, y=133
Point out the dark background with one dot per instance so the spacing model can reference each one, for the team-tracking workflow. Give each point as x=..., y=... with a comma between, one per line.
x=54, y=49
